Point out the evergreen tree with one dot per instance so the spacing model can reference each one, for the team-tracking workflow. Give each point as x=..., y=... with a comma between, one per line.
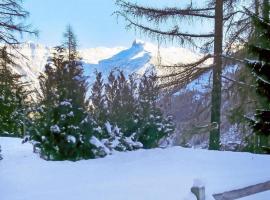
x=127, y=107
x=11, y=16
x=70, y=43
x=121, y=101
x=112, y=97
x=98, y=100
x=153, y=127
x=12, y=97
x=64, y=128
x=260, y=65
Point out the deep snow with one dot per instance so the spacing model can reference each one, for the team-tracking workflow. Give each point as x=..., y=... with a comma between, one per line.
x=157, y=174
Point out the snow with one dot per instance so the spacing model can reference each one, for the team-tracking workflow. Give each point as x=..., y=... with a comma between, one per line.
x=156, y=174
x=55, y=129
x=70, y=114
x=71, y=139
x=259, y=196
x=94, y=141
x=108, y=128
x=65, y=103
x=198, y=183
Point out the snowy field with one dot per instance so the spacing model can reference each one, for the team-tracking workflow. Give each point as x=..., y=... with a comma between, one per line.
x=158, y=174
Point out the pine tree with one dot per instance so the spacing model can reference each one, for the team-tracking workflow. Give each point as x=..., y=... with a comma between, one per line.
x=64, y=128
x=12, y=97
x=260, y=65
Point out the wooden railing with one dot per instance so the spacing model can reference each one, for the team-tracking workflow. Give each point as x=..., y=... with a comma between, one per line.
x=199, y=192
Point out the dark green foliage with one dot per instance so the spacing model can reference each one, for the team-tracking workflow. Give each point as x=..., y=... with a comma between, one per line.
x=246, y=100
x=12, y=98
x=70, y=43
x=64, y=133
x=260, y=65
x=112, y=97
x=63, y=127
x=121, y=103
x=97, y=98
x=131, y=110
x=152, y=126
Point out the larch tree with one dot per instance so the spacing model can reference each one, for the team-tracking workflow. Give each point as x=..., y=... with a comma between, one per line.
x=12, y=22
x=224, y=17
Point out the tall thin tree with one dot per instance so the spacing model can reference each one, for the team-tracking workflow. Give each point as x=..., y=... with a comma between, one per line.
x=221, y=13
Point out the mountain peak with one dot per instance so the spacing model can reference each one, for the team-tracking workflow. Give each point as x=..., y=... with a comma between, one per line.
x=138, y=42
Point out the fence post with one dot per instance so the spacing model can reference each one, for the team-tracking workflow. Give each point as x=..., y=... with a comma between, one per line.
x=199, y=192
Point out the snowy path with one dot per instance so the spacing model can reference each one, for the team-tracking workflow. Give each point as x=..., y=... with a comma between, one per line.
x=156, y=174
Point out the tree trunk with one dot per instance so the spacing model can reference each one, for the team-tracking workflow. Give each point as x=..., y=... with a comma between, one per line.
x=214, y=141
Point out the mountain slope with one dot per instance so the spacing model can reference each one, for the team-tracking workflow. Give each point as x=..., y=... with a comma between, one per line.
x=135, y=59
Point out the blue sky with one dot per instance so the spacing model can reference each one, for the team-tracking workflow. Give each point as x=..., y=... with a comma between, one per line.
x=91, y=20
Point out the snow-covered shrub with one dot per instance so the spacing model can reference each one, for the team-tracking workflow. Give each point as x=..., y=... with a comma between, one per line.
x=131, y=104
x=115, y=140
x=63, y=129
x=108, y=139
x=62, y=135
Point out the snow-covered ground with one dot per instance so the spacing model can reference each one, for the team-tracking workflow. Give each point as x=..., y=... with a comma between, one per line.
x=158, y=174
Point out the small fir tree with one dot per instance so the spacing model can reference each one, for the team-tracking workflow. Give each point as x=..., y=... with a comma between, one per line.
x=64, y=128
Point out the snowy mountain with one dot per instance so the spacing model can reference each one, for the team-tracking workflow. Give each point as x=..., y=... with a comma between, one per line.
x=135, y=59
